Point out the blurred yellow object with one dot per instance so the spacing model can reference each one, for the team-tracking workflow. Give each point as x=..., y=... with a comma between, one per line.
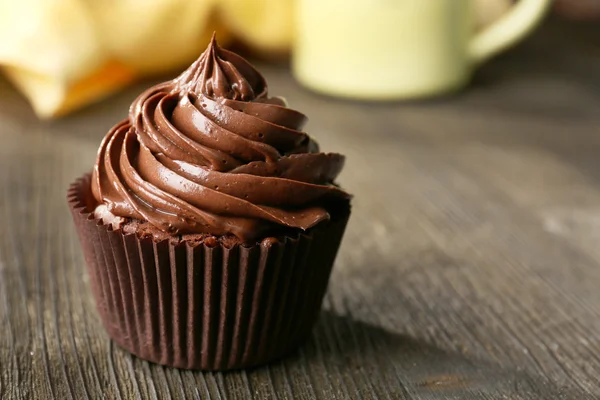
x=46, y=47
x=65, y=54
x=266, y=25
x=53, y=97
x=408, y=49
x=155, y=36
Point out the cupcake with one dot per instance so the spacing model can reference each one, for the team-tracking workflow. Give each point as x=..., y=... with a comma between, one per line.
x=211, y=221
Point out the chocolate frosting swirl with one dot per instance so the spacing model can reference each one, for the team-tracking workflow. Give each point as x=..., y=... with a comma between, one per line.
x=210, y=152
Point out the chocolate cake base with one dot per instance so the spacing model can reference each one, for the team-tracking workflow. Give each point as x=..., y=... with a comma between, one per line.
x=210, y=303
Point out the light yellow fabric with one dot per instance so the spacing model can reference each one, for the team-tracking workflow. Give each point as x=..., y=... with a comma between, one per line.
x=64, y=54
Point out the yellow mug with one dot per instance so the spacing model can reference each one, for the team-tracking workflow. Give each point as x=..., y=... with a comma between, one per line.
x=398, y=49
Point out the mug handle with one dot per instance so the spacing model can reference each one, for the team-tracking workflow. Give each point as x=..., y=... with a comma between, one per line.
x=508, y=30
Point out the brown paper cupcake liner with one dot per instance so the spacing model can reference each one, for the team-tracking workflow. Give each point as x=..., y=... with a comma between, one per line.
x=201, y=307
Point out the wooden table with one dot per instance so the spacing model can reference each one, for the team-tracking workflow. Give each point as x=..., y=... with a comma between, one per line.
x=470, y=270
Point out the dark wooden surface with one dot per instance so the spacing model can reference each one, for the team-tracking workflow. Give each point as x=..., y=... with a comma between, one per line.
x=470, y=270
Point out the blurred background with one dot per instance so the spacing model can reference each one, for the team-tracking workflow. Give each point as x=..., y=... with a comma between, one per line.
x=67, y=54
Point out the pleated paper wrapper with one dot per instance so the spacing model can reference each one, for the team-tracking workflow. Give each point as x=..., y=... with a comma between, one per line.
x=200, y=307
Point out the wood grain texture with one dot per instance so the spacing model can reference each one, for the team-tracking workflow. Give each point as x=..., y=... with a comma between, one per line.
x=470, y=270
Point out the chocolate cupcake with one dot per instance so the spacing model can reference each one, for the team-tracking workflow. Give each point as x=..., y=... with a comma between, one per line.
x=211, y=221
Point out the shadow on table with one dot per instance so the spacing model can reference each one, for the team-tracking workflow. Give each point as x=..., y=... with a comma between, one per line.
x=353, y=359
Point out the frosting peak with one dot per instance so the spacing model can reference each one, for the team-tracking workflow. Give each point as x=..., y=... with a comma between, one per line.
x=210, y=152
x=222, y=74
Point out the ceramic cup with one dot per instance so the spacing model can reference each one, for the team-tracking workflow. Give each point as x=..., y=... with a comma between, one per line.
x=399, y=49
